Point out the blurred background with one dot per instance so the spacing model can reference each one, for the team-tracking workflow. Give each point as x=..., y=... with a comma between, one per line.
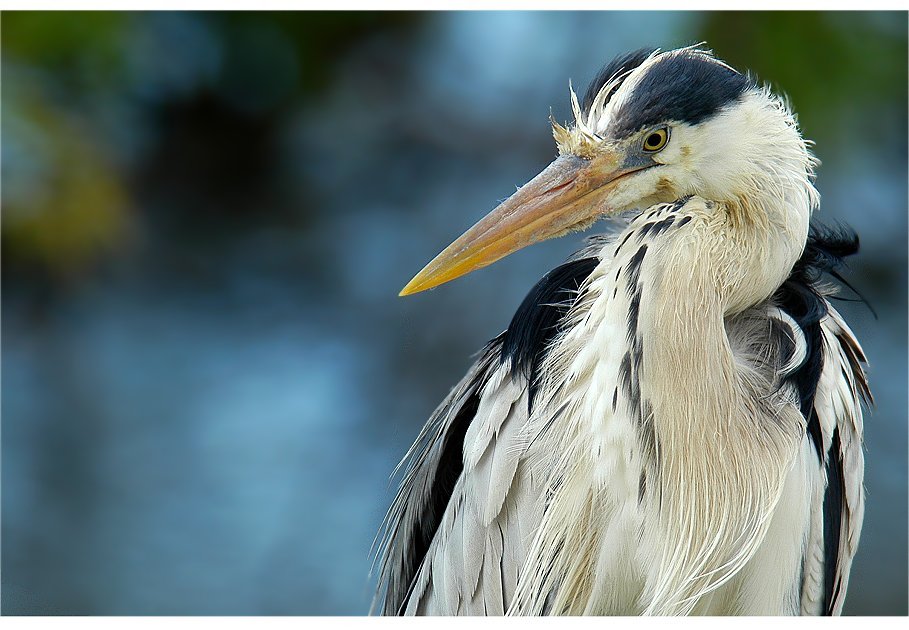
x=207, y=375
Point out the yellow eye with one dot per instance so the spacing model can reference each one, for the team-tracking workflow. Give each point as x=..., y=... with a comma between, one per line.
x=656, y=140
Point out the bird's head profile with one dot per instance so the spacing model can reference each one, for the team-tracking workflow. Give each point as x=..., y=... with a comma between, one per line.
x=652, y=127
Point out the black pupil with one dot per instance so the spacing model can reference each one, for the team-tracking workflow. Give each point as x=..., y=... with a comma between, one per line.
x=654, y=139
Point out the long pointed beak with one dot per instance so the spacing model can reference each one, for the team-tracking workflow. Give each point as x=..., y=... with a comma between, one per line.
x=566, y=195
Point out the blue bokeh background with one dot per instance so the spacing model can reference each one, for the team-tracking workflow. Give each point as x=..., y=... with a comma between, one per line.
x=207, y=375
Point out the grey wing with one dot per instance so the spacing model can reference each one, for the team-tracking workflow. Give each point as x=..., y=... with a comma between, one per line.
x=454, y=536
x=836, y=520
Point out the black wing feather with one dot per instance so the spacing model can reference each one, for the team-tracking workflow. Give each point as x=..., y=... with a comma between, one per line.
x=800, y=296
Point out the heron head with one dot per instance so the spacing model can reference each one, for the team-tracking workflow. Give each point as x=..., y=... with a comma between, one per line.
x=653, y=127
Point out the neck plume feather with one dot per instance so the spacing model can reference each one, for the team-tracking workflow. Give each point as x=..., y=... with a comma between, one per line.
x=708, y=461
x=720, y=471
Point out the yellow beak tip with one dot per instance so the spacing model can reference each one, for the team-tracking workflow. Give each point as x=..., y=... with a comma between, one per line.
x=409, y=289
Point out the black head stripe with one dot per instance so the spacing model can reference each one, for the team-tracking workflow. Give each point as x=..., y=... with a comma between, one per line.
x=618, y=67
x=686, y=86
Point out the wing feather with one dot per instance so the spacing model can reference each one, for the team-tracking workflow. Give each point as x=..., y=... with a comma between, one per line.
x=432, y=470
x=469, y=564
x=836, y=521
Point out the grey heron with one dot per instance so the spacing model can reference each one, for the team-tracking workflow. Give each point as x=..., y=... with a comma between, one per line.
x=672, y=422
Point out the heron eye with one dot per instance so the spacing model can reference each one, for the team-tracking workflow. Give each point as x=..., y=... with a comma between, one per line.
x=656, y=140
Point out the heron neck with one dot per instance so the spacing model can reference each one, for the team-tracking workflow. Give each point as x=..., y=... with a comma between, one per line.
x=718, y=264
x=698, y=405
x=642, y=400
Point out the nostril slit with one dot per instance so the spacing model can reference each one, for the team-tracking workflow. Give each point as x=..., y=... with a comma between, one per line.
x=558, y=188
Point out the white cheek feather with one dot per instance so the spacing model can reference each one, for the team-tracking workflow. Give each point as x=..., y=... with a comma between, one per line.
x=749, y=151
